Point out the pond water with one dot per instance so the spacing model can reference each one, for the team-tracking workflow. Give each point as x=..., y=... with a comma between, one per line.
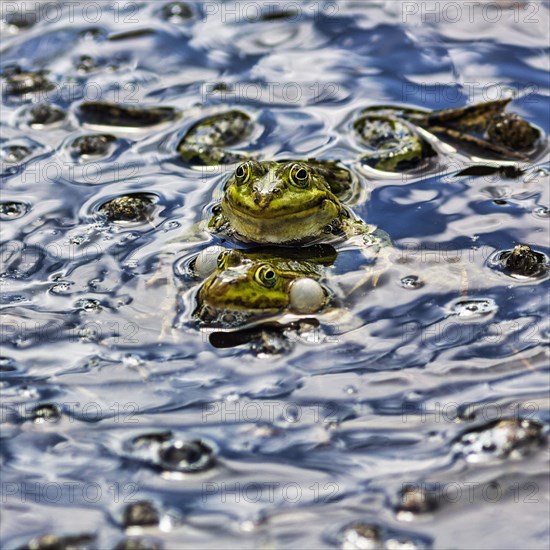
x=125, y=424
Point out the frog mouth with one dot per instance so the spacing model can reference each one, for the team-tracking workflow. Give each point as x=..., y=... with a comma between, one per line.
x=309, y=210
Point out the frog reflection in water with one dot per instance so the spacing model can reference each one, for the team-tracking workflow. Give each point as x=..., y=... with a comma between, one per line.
x=288, y=202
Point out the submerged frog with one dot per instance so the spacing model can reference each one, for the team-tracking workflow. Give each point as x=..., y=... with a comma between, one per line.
x=249, y=285
x=127, y=208
x=394, y=145
x=206, y=141
x=288, y=202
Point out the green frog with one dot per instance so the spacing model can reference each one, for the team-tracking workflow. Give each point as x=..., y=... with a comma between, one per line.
x=289, y=202
x=205, y=143
x=394, y=145
x=242, y=286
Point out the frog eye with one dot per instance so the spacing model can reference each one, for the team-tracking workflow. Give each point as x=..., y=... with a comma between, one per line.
x=242, y=173
x=299, y=175
x=266, y=276
x=222, y=259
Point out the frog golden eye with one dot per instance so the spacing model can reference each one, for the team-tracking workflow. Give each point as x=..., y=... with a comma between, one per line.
x=242, y=173
x=266, y=276
x=299, y=175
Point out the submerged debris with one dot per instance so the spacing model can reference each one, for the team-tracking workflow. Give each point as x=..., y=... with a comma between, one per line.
x=45, y=115
x=11, y=210
x=523, y=260
x=141, y=513
x=508, y=438
x=95, y=144
x=205, y=142
x=56, y=542
x=113, y=114
x=512, y=131
x=186, y=456
x=46, y=412
x=20, y=83
x=138, y=543
x=417, y=499
x=127, y=208
x=15, y=153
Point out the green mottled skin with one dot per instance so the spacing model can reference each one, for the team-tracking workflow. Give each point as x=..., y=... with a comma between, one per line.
x=393, y=145
x=272, y=202
x=239, y=283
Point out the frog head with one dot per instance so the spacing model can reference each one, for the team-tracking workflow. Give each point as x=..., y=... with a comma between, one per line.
x=278, y=202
